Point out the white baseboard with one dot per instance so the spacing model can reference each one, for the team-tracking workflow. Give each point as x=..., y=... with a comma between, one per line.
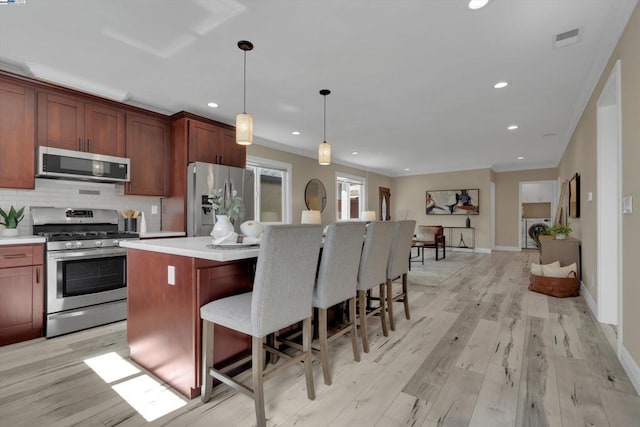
x=483, y=250
x=593, y=306
x=631, y=367
x=508, y=248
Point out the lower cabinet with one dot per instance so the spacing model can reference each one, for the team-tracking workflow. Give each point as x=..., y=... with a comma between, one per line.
x=22, y=290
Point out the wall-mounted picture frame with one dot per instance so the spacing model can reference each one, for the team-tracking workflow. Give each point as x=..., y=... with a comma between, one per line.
x=574, y=196
x=453, y=202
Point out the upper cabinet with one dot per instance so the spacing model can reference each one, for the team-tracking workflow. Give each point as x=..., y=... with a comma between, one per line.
x=148, y=148
x=208, y=141
x=17, y=133
x=74, y=123
x=538, y=192
x=232, y=153
x=204, y=142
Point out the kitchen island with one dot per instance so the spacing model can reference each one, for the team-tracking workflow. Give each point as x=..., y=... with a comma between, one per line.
x=168, y=280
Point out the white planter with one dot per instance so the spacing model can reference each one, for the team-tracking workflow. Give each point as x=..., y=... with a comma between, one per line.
x=222, y=227
x=561, y=236
x=10, y=232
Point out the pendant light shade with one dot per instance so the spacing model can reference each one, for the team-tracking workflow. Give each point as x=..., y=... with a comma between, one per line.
x=244, y=129
x=324, y=149
x=244, y=121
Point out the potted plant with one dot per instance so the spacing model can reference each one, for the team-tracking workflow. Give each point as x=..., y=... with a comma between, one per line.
x=559, y=231
x=11, y=220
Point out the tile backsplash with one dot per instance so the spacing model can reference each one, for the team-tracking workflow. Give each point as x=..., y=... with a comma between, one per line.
x=78, y=194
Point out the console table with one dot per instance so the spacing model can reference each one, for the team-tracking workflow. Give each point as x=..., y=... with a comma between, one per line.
x=460, y=237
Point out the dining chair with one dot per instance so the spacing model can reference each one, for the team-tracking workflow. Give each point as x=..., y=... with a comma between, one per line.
x=336, y=283
x=372, y=272
x=282, y=296
x=397, y=266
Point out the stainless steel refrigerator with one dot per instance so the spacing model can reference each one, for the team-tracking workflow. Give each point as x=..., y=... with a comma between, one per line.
x=226, y=184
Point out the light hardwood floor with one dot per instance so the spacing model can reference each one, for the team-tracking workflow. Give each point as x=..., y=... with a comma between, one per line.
x=479, y=350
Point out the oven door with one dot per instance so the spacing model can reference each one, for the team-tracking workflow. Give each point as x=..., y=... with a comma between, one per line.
x=85, y=277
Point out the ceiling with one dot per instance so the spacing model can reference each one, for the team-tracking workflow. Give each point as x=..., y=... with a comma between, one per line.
x=411, y=80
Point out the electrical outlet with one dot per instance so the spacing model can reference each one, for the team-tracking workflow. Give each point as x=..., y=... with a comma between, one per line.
x=154, y=209
x=589, y=196
x=171, y=275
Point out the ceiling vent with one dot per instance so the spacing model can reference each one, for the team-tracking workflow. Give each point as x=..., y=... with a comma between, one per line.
x=567, y=38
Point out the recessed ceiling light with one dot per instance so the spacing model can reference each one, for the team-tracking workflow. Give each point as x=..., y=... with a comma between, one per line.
x=295, y=132
x=407, y=169
x=355, y=152
x=520, y=158
x=212, y=105
x=501, y=85
x=477, y=4
x=513, y=127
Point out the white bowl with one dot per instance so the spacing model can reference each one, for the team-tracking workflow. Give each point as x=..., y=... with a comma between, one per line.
x=251, y=228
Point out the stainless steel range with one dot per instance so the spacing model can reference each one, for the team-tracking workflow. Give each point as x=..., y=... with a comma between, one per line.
x=86, y=267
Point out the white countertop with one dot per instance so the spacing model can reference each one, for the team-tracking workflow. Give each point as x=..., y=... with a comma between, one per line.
x=194, y=247
x=21, y=240
x=161, y=234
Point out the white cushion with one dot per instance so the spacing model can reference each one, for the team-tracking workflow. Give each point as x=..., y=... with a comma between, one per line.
x=568, y=271
x=537, y=268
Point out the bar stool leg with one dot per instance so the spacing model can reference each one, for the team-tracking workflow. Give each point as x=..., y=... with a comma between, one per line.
x=257, y=362
x=362, y=314
x=405, y=298
x=383, y=310
x=354, y=329
x=306, y=347
x=322, y=338
x=392, y=324
x=207, y=361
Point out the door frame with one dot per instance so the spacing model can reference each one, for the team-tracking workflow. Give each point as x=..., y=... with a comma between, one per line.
x=609, y=201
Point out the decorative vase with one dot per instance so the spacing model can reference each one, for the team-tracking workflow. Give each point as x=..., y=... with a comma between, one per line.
x=468, y=222
x=222, y=227
x=561, y=236
x=10, y=232
x=251, y=228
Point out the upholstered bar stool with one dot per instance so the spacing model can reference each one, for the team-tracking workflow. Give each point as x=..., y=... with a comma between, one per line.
x=373, y=272
x=398, y=267
x=282, y=295
x=336, y=283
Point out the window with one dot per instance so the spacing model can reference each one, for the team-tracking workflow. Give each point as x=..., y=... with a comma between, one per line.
x=273, y=190
x=350, y=191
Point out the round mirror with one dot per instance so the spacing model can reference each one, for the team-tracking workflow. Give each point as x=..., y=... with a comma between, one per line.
x=315, y=195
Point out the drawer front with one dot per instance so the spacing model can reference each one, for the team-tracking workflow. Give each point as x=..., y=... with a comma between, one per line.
x=16, y=256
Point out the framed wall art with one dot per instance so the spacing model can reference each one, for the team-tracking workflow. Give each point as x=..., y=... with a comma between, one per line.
x=574, y=196
x=453, y=202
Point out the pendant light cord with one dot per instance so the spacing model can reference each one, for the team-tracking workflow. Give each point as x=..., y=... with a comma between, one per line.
x=244, y=105
x=324, y=132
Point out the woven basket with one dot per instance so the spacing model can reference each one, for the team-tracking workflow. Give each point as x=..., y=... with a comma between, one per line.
x=560, y=287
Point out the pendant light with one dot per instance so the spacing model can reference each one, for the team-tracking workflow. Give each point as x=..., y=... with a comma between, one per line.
x=324, y=149
x=244, y=121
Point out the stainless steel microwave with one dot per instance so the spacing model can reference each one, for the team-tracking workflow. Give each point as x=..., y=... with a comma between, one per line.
x=78, y=165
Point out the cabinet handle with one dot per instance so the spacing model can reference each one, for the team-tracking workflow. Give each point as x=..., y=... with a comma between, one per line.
x=88, y=145
x=37, y=274
x=80, y=144
x=14, y=256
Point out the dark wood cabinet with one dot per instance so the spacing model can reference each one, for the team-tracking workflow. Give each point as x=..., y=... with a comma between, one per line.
x=163, y=320
x=17, y=135
x=73, y=123
x=214, y=143
x=22, y=290
x=148, y=148
x=196, y=139
x=232, y=153
x=204, y=142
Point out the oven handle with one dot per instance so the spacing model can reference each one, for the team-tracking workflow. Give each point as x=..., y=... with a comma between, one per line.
x=86, y=253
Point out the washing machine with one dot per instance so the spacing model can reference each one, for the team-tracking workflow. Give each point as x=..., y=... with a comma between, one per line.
x=533, y=226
